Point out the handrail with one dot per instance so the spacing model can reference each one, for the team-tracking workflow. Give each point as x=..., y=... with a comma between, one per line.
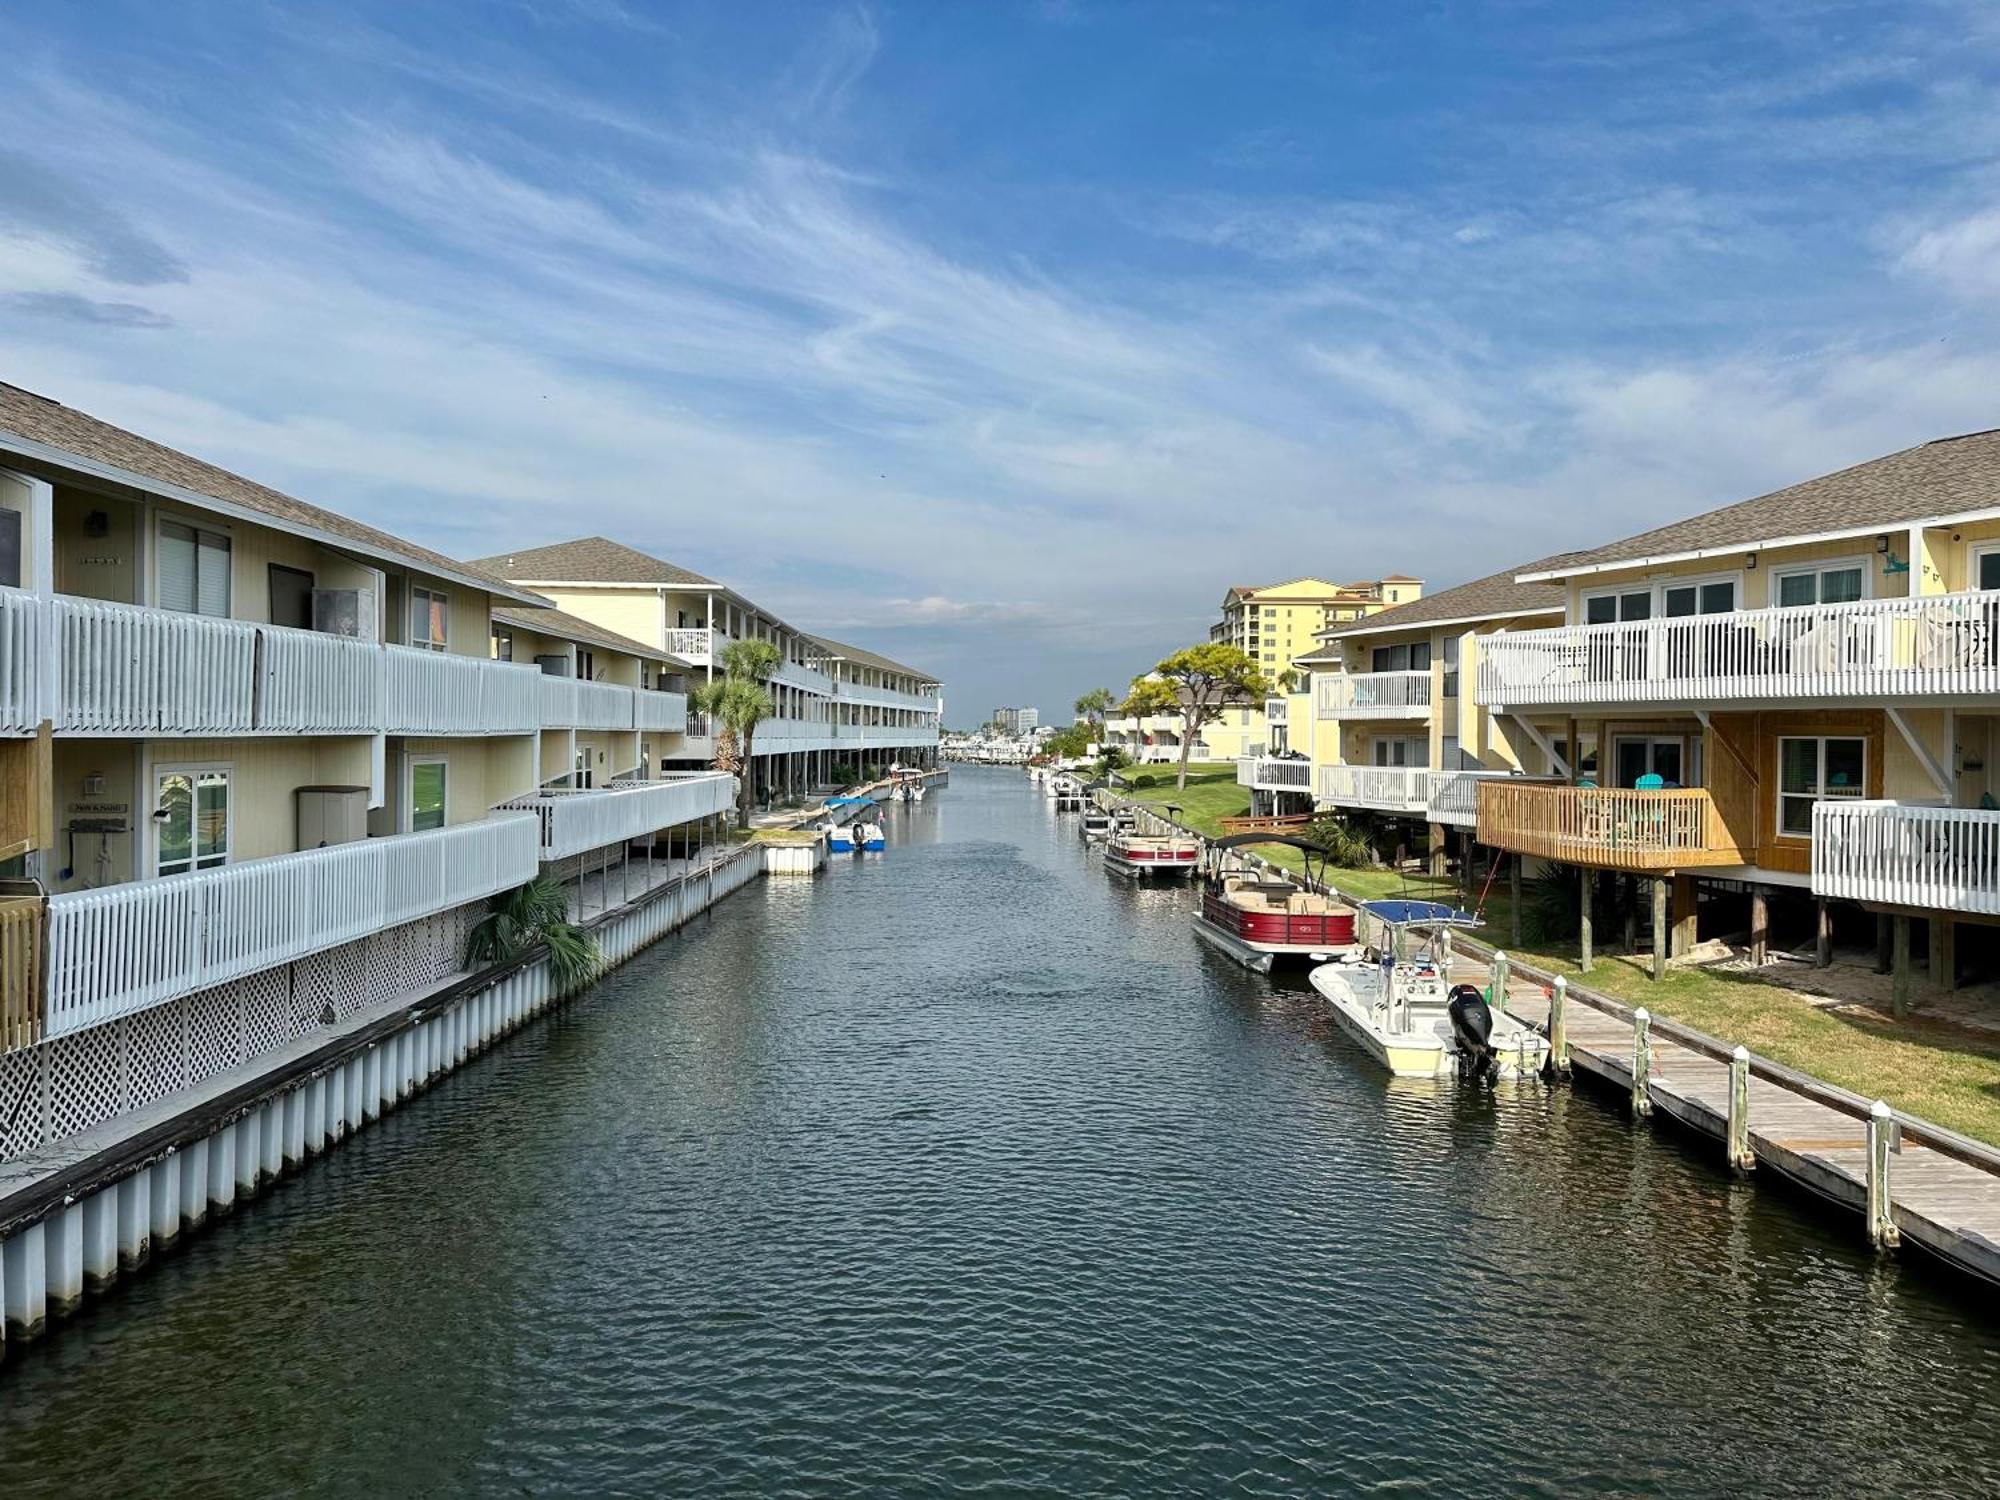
x=1907, y=854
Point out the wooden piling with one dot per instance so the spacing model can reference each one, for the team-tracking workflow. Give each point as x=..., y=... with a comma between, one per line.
x=1741, y=1157
x=1760, y=925
x=1514, y=895
x=1882, y=1232
x=1559, y=1028
x=1687, y=907
x=1642, y=1062
x=1823, y=936
x=1899, y=987
x=1498, y=995
x=1662, y=938
x=1583, y=933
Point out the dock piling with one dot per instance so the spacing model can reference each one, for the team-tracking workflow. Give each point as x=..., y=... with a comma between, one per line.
x=1642, y=1062
x=1559, y=1028
x=1741, y=1157
x=1499, y=989
x=1882, y=1133
x=1661, y=937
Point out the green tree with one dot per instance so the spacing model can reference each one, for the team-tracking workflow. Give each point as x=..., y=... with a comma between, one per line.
x=1195, y=685
x=537, y=912
x=738, y=702
x=1093, y=708
x=1068, y=744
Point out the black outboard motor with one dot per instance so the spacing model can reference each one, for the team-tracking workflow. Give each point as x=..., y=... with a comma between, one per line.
x=1472, y=1029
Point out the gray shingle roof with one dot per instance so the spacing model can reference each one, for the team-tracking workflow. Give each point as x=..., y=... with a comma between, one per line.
x=1496, y=594
x=1939, y=478
x=41, y=421
x=873, y=659
x=591, y=559
x=565, y=626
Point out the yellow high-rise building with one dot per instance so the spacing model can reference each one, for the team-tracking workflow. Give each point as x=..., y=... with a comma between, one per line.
x=1276, y=622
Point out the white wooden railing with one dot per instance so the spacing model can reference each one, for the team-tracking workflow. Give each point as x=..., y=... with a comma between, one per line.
x=1275, y=710
x=127, y=670
x=1453, y=796
x=128, y=947
x=570, y=823
x=693, y=645
x=1930, y=858
x=1383, y=788
x=1274, y=775
x=1930, y=645
x=659, y=711
x=313, y=683
x=24, y=645
x=434, y=692
x=1373, y=695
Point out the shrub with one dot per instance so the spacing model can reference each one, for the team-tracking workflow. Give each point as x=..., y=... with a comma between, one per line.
x=1345, y=841
x=1143, y=779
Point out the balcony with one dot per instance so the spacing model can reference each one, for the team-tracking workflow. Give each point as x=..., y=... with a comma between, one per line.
x=1268, y=775
x=1274, y=711
x=569, y=703
x=696, y=646
x=1930, y=646
x=1374, y=695
x=126, y=948
x=119, y=669
x=21, y=946
x=1454, y=795
x=574, y=822
x=1606, y=828
x=1395, y=789
x=1895, y=854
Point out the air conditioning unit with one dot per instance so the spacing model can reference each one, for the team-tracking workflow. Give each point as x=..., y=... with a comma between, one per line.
x=349, y=612
x=555, y=665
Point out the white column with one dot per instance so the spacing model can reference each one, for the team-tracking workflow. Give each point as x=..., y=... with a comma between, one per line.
x=24, y=1282
x=135, y=1218
x=165, y=1192
x=65, y=1251
x=100, y=1238
x=194, y=1181
x=276, y=1132
x=222, y=1168
x=250, y=1132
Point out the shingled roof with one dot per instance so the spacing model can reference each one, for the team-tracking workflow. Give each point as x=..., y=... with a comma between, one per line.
x=1944, y=477
x=872, y=659
x=1495, y=596
x=39, y=427
x=564, y=626
x=592, y=559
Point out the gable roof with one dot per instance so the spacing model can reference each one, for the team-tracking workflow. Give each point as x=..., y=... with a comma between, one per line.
x=1944, y=477
x=39, y=427
x=1495, y=596
x=872, y=659
x=592, y=559
x=563, y=625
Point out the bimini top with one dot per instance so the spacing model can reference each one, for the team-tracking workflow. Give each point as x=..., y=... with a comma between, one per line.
x=1416, y=913
x=848, y=801
x=1238, y=840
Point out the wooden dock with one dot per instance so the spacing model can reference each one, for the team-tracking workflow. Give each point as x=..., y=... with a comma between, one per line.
x=1942, y=1191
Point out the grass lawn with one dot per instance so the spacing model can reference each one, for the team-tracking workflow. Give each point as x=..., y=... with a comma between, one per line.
x=1947, y=1074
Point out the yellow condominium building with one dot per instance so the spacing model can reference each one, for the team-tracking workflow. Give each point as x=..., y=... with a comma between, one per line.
x=1279, y=621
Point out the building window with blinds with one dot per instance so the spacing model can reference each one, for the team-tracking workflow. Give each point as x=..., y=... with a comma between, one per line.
x=429, y=610
x=194, y=570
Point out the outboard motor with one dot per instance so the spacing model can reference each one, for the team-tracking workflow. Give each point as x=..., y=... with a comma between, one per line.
x=1472, y=1030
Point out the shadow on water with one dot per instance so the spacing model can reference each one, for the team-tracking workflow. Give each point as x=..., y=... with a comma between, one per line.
x=967, y=1166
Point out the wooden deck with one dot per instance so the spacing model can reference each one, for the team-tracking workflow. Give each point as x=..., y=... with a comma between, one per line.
x=1944, y=1194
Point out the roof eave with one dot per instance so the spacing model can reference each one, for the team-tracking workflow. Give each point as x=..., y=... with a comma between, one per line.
x=25, y=447
x=1342, y=632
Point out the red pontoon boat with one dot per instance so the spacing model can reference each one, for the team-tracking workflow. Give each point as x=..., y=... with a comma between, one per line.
x=1259, y=916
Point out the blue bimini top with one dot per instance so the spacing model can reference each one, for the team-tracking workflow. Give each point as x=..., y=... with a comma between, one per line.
x=1411, y=913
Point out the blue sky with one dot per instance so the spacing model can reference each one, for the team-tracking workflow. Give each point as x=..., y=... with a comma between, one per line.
x=1005, y=337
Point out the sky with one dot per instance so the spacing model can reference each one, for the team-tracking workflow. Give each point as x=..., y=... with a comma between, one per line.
x=1005, y=337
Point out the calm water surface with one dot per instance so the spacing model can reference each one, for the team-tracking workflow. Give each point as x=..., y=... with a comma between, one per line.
x=966, y=1168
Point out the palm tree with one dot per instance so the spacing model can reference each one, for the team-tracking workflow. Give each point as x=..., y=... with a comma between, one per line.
x=1093, y=708
x=537, y=912
x=738, y=701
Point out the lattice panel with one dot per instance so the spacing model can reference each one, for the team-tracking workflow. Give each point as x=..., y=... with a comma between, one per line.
x=21, y=1116
x=215, y=1030
x=267, y=1011
x=155, y=1054
x=338, y=977
x=86, y=1080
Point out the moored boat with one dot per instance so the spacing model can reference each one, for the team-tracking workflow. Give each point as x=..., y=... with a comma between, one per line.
x=1165, y=856
x=869, y=836
x=1095, y=824
x=1406, y=1014
x=1261, y=917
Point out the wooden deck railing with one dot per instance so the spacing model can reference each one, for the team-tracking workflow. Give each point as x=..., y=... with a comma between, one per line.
x=22, y=945
x=1605, y=827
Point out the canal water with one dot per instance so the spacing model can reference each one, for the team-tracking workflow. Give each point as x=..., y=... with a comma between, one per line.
x=967, y=1168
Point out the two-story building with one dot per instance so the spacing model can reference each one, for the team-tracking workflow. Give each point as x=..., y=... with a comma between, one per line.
x=259, y=764
x=1791, y=697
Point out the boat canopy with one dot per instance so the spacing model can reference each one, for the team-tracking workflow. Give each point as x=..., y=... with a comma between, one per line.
x=847, y=801
x=1238, y=840
x=1419, y=913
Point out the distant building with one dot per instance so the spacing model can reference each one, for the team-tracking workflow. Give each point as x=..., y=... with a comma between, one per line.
x=1278, y=621
x=1015, y=722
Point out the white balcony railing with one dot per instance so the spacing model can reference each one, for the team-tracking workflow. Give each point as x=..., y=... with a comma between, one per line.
x=1373, y=695
x=657, y=711
x=570, y=823
x=1403, y=789
x=1271, y=775
x=1935, y=645
x=120, y=669
x=1930, y=858
x=1453, y=796
x=126, y=948
x=694, y=645
x=1274, y=710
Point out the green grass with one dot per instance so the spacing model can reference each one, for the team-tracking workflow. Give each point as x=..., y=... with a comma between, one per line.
x=1948, y=1074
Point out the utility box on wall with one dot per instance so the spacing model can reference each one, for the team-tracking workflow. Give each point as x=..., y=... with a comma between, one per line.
x=331, y=815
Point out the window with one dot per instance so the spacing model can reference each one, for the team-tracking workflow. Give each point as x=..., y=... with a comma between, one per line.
x=1812, y=768
x=10, y=547
x=503, y=645
x=1609, y=609
x=190, y=818
x=1415, y=658
x=1679, y=600
x=427, y=793
x=194, y=570
x=586, y=665
x=1401, y=752
x=1986, y=568
x=429, y=612
x=1450, y=669
x=1839, y=583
